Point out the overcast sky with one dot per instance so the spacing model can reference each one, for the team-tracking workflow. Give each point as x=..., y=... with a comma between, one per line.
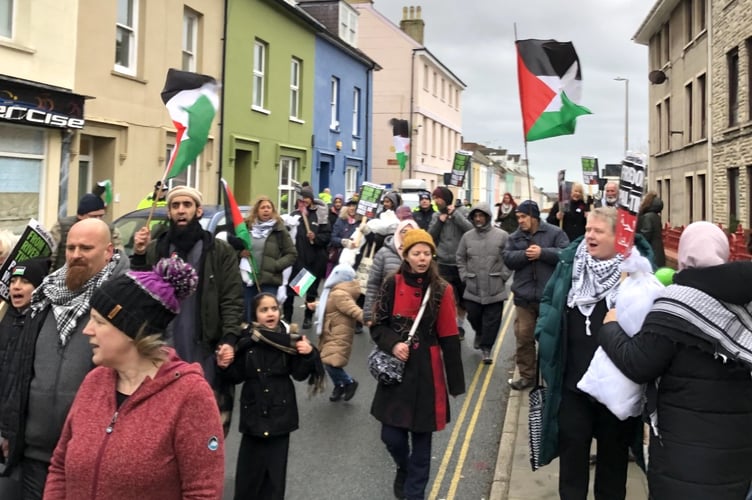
x=475, y=39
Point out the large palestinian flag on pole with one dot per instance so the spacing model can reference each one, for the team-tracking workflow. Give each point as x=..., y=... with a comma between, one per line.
x=550, y=79
x=401, y=133
x=192, y=101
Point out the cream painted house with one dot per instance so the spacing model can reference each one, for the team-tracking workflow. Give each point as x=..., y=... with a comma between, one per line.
x=413, y=85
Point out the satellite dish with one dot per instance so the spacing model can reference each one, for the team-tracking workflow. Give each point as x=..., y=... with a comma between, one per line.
x=657, y=77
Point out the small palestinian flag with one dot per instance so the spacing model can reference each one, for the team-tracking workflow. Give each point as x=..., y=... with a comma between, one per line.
x=400, y=130
x=192, y=101
x=235, y=221
x=302, y=282
x=550, y=79
x=106, y=186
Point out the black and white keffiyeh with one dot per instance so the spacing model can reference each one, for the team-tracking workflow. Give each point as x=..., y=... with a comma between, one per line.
x=68, y=306
x=592, y=281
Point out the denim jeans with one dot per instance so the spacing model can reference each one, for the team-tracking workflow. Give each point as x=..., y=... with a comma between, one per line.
x=338, y=375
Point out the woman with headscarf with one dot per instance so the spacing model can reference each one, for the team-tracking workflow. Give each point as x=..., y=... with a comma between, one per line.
x=694, y=352
x=272, y=251
x=144, y=423
x=506, y=215
x=581, y=291
x=411, y=411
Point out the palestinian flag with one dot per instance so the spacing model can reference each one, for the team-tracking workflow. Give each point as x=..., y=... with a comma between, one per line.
x=400, y=130
x=234, y=220
x=550, y=78
x=192, y=102
x=106, y=185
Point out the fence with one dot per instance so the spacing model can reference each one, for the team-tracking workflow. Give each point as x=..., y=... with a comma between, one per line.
x=738, y=249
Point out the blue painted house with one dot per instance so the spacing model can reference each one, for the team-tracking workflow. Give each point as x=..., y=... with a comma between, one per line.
x=342, y=114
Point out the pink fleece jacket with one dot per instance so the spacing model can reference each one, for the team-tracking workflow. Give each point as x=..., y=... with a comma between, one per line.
x=164, y=442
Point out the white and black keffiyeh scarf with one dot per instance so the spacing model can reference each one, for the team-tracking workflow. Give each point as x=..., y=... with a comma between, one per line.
x=592, y=281
x=68, y=306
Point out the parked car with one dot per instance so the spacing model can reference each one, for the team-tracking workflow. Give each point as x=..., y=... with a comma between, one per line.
x=212, y=219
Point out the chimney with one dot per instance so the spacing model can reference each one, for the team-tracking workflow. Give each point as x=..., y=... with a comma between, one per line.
x=412, y=24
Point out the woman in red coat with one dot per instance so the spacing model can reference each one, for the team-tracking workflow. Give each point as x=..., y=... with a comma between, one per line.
x=413, y=409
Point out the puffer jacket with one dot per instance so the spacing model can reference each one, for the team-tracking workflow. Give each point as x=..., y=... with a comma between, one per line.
x=649, y=226
x=480, y=263
x=530, y=277
x=279, y=254
x=341, y=314
x=701, y=396
x=447, y=235
x=386, y=261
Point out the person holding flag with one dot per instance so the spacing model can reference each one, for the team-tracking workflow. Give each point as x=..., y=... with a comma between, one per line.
x=209, y=321
x=271, y=251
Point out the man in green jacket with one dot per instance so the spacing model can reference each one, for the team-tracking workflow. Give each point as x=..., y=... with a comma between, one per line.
x=209, y=321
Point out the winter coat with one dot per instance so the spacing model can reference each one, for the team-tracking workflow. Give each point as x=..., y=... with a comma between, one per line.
x=446, y=235
x=386, y=261
x=574, y=220
x=342, y=312
x=279, y=254
x=423, y=217
x=32, y=422
x=420, y=402
x=649, y=225
x=551, y=332
x=507, y=222
x=268, y=406
x=165, y=441
x=11, y=328
x=312, y=256
x=220, y=289
x=530, y=277
x=701, y=396
x=480, y=262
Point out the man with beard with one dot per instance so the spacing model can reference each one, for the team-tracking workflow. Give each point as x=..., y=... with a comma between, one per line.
x=209, y=320
x=610, y=195
x=52, y=355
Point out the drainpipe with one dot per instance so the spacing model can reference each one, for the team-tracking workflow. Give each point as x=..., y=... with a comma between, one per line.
x=709, y=181
x=410, y=124
x=222, y=105
x=62, y=206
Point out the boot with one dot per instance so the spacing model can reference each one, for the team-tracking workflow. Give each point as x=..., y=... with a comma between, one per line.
x=337, y=393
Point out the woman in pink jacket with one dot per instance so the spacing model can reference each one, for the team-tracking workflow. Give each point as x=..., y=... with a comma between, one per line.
x=144, y=424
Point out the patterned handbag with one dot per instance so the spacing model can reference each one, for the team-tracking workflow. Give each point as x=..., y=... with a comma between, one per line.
x=384, y=367
x=535, y=421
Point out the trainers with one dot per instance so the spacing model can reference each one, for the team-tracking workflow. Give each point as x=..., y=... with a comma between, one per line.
x=487, y=360
x=307, y=323
x=399, y=483
x=337, y=393
x=520, y=384
x=462, y=333
x=350, y=390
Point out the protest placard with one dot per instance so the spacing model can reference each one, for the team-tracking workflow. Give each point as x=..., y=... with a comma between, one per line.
x=368, y=199
x=35, y=241
x=590, y=170
x=631, y=187
x=459, y=167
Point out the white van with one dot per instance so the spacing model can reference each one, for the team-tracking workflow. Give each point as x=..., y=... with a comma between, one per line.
x=409, y=190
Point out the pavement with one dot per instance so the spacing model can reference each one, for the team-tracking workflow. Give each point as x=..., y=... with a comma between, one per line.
x=514, y=478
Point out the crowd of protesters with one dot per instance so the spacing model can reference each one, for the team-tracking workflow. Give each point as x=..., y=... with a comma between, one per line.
x=95, y=339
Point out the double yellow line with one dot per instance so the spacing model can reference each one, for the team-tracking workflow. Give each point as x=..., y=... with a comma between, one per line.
x=460, y=423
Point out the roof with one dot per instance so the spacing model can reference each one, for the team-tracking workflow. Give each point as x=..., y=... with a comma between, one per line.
x=659, y=14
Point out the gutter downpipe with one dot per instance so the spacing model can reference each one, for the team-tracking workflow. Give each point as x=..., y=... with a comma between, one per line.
x=410, y=123
x=709, y=112
x=221, y=123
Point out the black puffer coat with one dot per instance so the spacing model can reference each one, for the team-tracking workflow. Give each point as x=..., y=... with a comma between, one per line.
x=704, y=405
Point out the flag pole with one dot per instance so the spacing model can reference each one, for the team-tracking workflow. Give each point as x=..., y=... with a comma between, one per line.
x=527, y=157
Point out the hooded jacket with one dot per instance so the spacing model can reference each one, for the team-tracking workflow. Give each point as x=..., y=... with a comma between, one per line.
x=447, y=235
x=341, y=313
x=165, y=441
x=649, y=226
x=386, y=261
x=701, y=393
x=480, y=262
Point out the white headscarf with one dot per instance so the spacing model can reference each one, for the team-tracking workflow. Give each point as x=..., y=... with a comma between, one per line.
x=703, y=244
x=340, y=274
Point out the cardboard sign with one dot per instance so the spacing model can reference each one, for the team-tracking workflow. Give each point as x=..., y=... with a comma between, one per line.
x=460, y=165
x=302, y=282
x=631, y=187
x=590, y=170
x=368, y=199
x=34, y=242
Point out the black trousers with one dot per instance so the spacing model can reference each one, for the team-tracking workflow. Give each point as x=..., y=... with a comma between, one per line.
x=262, y=467
x=485, y=320
x=581, y=419
x=417, y=461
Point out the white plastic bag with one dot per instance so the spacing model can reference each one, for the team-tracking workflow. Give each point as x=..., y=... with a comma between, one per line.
x=635, y=298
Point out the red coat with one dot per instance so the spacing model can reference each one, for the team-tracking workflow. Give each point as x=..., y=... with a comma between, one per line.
x=165, y=441
x=420, y=403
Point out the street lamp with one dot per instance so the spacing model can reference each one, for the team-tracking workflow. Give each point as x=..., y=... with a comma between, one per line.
x=626, y=111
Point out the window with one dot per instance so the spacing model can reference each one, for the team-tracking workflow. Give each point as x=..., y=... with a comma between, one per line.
x=748, y=44
x=701, y=187
x=424, y=131
x=190, y=37
x=450, y=94
x=667, y=120
x=749, y=186
x=351, y=181
x=666, y=197
x=21, y=163
x=659, y=127
x=700, y=14
x=259, y=74
x=356, y=112
x=689, y=197
x=688, y=113
x=666, y=44
x=654, y=49
x=334, y=103
x=348, y=24
x=732, y=64
x=125, y=36
x=443, y=89
x=702, y=92
x=189, y=176
x=688, y=28
x=435, y=83
x=85, y=165
x=295, y=88
x=425, y=77
x=288, y=174
x=6, y=18
x=732, y=176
